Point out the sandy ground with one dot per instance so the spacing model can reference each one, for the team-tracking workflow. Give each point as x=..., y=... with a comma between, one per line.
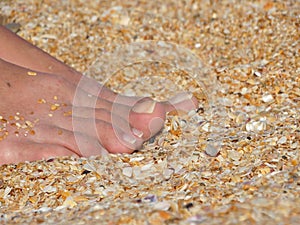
x=234, y=161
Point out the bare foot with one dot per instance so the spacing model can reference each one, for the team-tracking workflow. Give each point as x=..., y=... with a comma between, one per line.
x=44, y=115
x=52, y=110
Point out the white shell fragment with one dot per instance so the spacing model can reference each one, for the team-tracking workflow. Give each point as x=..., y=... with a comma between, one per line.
x=282, y=140
x=234, y=155
x=257, y=73
x=6, y=192
x=257, y=126
x=267, y=98
x=127, y=171
x=211, y=150
x=162, y=206
x=49, y=189
x=239, y=59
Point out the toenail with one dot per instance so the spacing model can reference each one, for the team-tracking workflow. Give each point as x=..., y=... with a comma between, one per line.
x=137, y=132
x=181, y=97
x=144, y=107
x=155, y=125
x=129, y=139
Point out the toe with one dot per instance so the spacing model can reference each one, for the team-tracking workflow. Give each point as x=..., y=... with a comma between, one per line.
x=115, y=140
x=184, y=101
x=148, y=116
x=113, y=132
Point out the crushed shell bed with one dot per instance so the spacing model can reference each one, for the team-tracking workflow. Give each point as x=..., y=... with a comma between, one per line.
x=251, y=176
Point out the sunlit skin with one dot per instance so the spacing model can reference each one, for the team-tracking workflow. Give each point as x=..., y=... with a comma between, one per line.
x=45, y=113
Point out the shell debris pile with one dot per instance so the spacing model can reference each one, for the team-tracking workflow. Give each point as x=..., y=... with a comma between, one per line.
x=251, y=47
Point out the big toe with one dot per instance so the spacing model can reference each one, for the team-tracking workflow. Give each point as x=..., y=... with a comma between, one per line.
x=148, y=116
